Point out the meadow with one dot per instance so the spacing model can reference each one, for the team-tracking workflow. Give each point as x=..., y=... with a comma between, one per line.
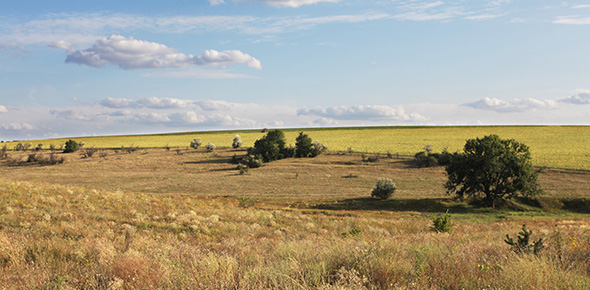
x=180, y=218
x=551, y=146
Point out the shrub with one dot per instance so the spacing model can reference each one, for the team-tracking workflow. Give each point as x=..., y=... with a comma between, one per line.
x=71, y=146
x=88, y=152
x=444, y=158
x=196, y=143
x=39, y=147
x=237, y=143
x=424, y=159
x=3, y=153
x=441, y=223
x=210, y=147
x=303, y=146
x=383, y=189
x=318, y=148
x=243, y=168
x=19, y=147
x=251, y=161
x=271, y=147
x=492, y=170
x=524, y=245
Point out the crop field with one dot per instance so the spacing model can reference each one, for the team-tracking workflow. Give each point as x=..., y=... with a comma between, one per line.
x=551, y=146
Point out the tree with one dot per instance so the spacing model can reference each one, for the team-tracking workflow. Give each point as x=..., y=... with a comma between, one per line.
x=71, y=146
x=196, y=143
x=303, y=146
x=491, y=170
x=271, y=147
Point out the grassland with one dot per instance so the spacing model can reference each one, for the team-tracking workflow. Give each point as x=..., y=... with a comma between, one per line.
x=551, y=146
x=186, y=219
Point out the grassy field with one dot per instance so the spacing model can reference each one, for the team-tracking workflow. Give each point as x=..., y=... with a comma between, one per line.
x=186, y=219
x=551, y=146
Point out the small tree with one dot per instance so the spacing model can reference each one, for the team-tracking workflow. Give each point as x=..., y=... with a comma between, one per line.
x=71, y=146
x=196, y=143
x=237, y=143
x=383, y=189
x=318, y=148
x=492, y=169
x=303, y=146
x=270, y=147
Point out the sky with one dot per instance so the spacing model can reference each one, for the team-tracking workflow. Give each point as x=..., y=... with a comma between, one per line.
x=110, y=67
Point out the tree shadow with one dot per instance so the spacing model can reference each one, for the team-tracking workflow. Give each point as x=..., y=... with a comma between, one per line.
x=221, y=160
x=402, y=205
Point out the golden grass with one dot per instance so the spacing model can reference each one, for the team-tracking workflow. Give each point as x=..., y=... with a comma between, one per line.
x=62, y=237
x=551, y=146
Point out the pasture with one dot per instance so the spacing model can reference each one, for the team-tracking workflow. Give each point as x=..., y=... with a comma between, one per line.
x=181, y=218
x=551, y=146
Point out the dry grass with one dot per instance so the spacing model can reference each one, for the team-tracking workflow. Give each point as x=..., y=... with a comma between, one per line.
x=159, y=219
x=58, y=237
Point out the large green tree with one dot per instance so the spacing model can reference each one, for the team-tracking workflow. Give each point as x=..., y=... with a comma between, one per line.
x=303, y=146
x=492, y=169
x=270, y=147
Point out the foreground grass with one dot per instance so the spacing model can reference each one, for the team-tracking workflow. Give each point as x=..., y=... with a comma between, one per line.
x=551, y=146
x=62, y=237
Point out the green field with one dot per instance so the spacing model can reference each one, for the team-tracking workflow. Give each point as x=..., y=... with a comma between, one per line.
x=551, y=146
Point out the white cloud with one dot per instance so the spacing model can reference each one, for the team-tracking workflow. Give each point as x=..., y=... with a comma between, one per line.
x=216, y=2
x=284, y=3
x=483, y=16
x=582, y=98
x=574, y=20
x=516, y=105
x=369, y=112
x=3, y=109
x=163, y=103
x=152, y=118
x=16, y=126
x=118, y=103
x=213, y=105
x=130, y=53
x=195, y=73
x=581, y=6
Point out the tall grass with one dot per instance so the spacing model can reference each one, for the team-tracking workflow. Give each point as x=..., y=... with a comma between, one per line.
x=56, y=237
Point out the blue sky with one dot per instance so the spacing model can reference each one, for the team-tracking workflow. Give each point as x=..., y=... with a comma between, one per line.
x=118, y=67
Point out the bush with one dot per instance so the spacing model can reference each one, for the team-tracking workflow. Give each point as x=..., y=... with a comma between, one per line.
x=250, y=161
x=318, y=148
x=383, y=189
x=524, y=245
x=271, y=147
x=210, y=147
x=237, y=143
x=441, y=223
x=196, y=143
x=19, y=147
x=88, y=152
x=491, y=170
x=303, y=146
x=3, y=153
x=71, y=146
x=424, y=159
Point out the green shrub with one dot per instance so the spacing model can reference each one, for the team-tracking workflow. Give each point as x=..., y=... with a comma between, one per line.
x=251, y=161
x=271, y=147
x=524, y=245
x=303, y=146
x=71, y=146
x=383, y=189
x=441, y=223
x=318, y=148
x=425, y=159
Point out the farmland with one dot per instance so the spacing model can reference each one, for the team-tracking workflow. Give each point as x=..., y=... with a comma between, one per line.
x=180, y=218
x=551, y=146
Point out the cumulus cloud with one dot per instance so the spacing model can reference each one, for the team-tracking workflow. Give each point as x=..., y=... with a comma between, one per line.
x=150, y=102
x=574, y=20
x=582, y=98
x=16, y=126
x=3, y=109
x=213, y=105
x=130, y=53
x=516, y=105
x=370, y=112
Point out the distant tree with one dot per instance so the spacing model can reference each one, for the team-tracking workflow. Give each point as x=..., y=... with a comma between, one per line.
x=270, y=147
x=71, y=146
x=491, y=170
x=303, y=146
x=210, y=147
x=237, y=143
